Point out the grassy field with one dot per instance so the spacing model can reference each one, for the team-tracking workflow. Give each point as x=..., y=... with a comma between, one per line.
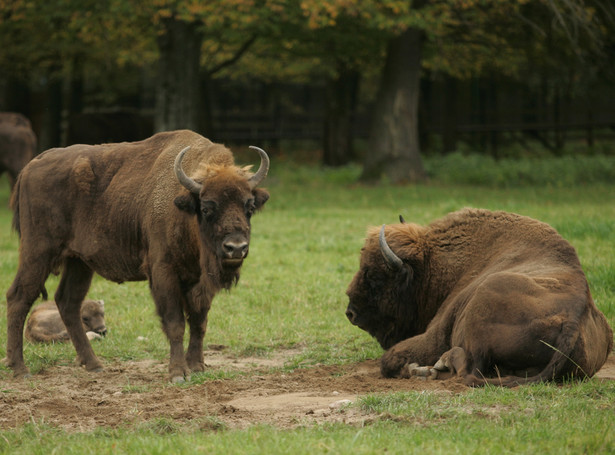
x=304, y=252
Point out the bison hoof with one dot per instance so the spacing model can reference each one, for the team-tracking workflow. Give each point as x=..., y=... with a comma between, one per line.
x=197, y=367
x=421, y=372
x=94, y=368
x=180, y=379
x=22, y=374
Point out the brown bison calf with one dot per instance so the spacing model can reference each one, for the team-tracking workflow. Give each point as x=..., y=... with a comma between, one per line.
x=45, y=323
x=493, y=297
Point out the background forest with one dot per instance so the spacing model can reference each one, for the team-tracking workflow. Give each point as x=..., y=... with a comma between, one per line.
x=382, y=83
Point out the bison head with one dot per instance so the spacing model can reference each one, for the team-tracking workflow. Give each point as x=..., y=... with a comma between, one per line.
x=223, y=204
x=93, y=316
x=382, y=294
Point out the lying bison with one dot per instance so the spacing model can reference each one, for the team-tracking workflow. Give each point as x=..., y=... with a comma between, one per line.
x=173, y=209
x=45, y=323
x=17, y=144
x=498, y=298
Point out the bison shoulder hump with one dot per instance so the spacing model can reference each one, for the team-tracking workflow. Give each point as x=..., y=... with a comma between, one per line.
x=83, y=175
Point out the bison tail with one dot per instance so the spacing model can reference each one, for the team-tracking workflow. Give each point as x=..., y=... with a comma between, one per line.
x=14, y=205
x=558, y=368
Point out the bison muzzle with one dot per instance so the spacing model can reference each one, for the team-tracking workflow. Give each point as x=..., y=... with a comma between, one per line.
x=173, y=209
x=494, y=297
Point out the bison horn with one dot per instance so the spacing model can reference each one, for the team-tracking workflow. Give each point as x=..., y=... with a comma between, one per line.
x=262, y=170
x=186, y=181
x=391, y=258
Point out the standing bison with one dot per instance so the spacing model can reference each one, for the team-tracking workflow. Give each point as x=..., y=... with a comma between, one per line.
x=17, y=144
x=495, y=297
x=173, y=209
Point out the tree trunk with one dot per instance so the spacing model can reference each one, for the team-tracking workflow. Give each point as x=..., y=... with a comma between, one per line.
x=46, y=115
x=341, y=102
x=393, y=144
x=177, y=94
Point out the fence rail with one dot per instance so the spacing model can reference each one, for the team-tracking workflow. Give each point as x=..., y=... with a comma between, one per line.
x=100, y=127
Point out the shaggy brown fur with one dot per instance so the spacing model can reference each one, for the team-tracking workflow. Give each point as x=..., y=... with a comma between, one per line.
x=497, y=297
x=17, y=144
x=45, y=323
x=120, y=210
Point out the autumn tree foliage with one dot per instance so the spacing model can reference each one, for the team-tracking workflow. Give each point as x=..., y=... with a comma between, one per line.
x=188, y=42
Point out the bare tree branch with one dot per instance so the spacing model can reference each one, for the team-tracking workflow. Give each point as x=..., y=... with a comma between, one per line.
x=242, y=50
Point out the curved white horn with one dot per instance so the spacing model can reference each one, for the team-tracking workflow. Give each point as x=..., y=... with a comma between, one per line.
x=263, y=169
x=391, y=258
x=186, y=181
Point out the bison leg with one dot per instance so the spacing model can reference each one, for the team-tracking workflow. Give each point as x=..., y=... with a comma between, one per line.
x=26, y=288
x=73, y=288
x=454, y=360
x=169, y=299
x=173, y=325
x=197, y=321
x=420, y=349
x=415, y=370
x=452, y=363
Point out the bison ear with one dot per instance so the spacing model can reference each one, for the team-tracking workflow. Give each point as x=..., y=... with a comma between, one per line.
x=187, y=203
x=260, y=197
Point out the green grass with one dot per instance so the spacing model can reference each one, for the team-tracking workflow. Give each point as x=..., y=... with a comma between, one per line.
x=542, y=418
x=304, y=252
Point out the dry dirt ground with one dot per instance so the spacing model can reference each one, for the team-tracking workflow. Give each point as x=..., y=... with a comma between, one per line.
x=130, y=393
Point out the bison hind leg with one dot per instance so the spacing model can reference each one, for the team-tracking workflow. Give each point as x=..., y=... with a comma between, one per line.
x=73, y=288
x=24, y=290
x=454, y=360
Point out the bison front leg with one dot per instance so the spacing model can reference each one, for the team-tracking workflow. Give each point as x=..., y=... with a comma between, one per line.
x=173, y=325
x=197, y=321
x=169, y=299
x=420, y=349
x=452, y=363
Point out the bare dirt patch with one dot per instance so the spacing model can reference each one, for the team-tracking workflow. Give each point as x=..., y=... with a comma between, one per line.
x=130, y=393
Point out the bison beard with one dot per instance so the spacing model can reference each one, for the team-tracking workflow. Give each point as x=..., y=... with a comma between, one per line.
x=493, y=297
x=173, y=209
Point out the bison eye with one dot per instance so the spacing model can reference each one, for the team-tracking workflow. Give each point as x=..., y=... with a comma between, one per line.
x=86, y=319
x=208, y=208
x=250, y=208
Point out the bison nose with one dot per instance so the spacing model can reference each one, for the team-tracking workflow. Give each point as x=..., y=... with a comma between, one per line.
x=351, y=315
x=101, y=331
x=235, y=250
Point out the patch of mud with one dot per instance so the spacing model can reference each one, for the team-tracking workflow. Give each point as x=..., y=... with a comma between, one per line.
x=130, y=393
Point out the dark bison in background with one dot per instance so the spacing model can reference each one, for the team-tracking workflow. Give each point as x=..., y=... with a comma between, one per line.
x=496, y=297
x=173, y=209
x=17, y=144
